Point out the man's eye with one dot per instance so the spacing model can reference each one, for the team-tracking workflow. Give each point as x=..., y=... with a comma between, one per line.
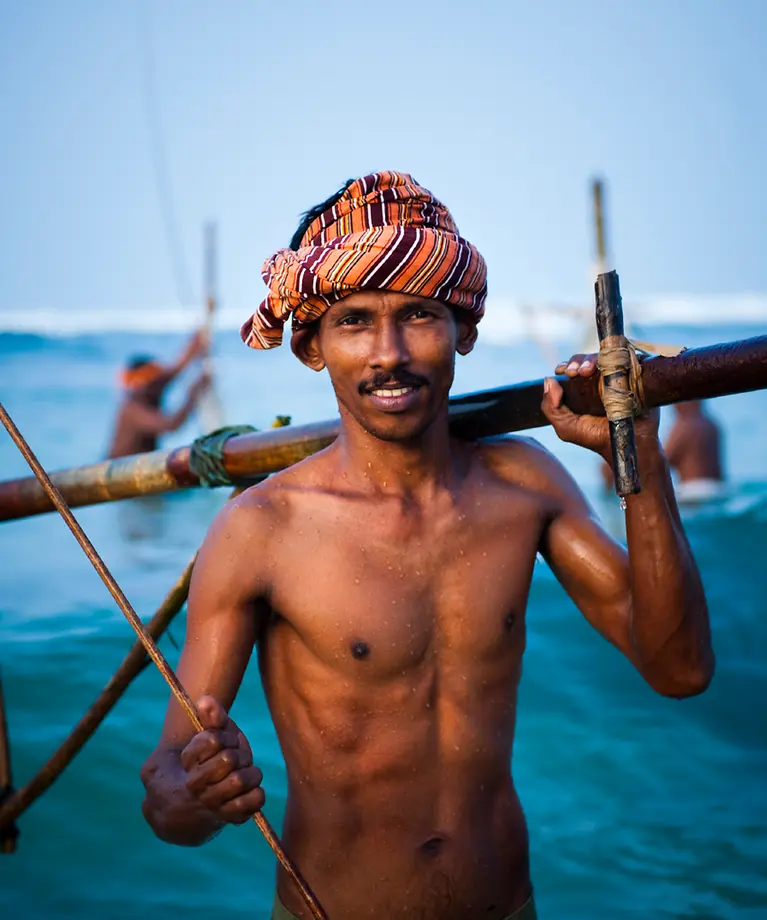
x=350, y=321
x=421, y=314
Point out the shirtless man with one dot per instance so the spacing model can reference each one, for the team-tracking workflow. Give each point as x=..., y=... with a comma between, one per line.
x=140, y=418
x=385, y=580
x=693, y=446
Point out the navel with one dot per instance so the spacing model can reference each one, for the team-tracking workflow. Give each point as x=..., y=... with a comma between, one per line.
x=360, y=650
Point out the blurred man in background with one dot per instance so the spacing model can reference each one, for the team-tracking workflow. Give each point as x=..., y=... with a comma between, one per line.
x=141, y=418
x=693, y=450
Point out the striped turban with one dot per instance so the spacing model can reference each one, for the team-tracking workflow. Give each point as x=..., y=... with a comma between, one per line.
x=385, y=232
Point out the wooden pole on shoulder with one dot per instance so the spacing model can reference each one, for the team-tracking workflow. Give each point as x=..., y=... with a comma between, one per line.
x=698, y=373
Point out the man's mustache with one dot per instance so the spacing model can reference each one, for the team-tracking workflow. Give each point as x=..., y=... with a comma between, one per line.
x=400, y=379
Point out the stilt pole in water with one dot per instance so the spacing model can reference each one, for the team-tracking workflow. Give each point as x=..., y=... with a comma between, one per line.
x=600, y=244
x=133, y=664
x=152, y=650
x=8, y=831
x=211, y=412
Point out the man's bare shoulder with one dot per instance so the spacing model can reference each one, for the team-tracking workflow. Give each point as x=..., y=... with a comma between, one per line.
x=520, y=460
x=263, y=507
x=242, y=526
x=525, y=463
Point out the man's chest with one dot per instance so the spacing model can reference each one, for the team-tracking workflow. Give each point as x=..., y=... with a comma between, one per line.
x=364, y=588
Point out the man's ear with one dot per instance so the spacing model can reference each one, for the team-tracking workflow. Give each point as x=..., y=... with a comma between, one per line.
x=467, y=334
x=305, y=343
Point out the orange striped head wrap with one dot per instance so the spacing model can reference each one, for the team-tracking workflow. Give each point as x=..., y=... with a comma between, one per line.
x=386, y=232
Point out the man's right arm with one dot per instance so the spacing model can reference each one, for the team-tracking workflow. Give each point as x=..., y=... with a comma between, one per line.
x=198, y=782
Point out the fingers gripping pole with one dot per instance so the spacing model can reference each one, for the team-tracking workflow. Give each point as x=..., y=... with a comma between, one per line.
x=152, y=650
x=614, y=366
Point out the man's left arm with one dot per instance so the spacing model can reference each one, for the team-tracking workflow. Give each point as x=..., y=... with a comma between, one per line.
x=650, y=601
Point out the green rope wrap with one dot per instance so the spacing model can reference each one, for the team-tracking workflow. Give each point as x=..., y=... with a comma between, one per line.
x=206, y=455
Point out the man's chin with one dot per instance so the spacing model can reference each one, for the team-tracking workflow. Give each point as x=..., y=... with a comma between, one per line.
x=397, y=428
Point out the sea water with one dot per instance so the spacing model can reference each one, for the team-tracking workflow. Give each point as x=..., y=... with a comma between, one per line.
x=638, y=806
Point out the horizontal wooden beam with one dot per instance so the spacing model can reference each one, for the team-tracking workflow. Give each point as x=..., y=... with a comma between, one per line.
x=698, y=373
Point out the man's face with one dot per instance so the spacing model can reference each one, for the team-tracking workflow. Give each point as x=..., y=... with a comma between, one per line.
x=391, y=359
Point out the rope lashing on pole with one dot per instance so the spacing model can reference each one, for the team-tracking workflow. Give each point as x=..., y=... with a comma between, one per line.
x=629, y=355
x=152, y=650
x=206, y=454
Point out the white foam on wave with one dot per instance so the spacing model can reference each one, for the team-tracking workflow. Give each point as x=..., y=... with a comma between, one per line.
x=505, y=322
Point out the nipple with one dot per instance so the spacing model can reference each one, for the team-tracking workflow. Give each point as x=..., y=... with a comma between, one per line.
x=360, y=650
x=509, y=620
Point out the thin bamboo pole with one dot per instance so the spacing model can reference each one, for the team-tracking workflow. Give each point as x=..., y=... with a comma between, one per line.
x=698, y=373
x=210, y=409
x=8, y=831
x=154, y=653
x=133, y=664
x=600, y=238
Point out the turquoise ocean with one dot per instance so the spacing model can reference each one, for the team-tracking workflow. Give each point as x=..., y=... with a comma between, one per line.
x=638, y=806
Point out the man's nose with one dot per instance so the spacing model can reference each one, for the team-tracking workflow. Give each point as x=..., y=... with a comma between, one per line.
x=389, y=346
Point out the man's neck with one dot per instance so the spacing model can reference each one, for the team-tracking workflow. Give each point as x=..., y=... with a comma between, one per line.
x=414, y=470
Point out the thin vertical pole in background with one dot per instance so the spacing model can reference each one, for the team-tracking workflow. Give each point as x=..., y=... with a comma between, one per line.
x=211, y=409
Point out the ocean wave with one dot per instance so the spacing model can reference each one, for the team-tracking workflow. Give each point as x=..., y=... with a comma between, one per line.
x=506, y=321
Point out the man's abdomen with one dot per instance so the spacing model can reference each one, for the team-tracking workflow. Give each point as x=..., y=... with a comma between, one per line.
x=412, y=829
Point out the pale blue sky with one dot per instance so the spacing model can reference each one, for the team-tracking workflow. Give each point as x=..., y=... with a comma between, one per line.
x=503, y=109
